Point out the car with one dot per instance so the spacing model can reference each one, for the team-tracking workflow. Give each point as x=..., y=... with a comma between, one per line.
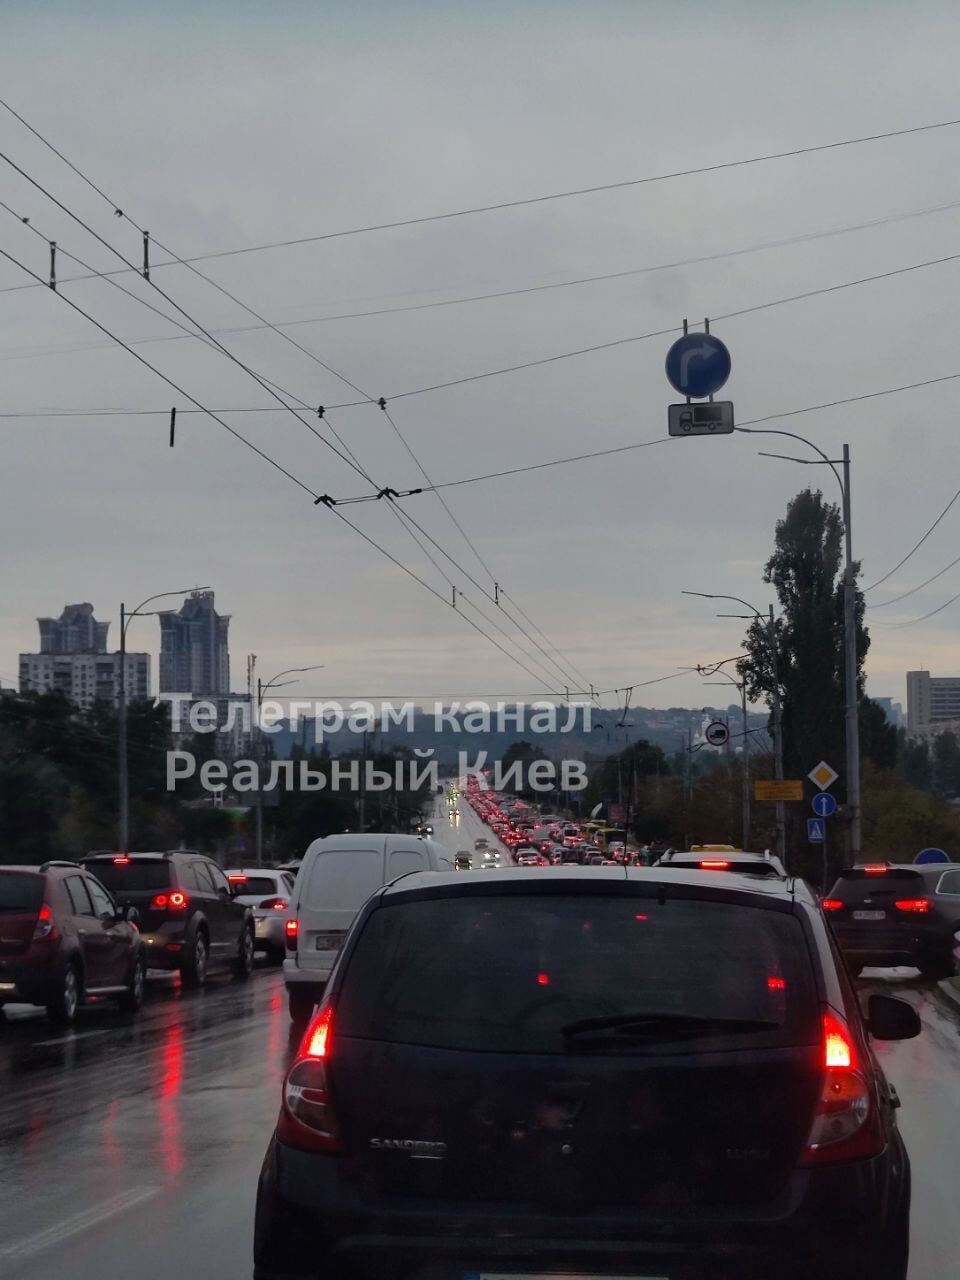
x=338, y=874
x=531, y=858
x=463, y=861
x=491, y=858
x=724, y=858
x=64, y=938
x=481, y=843
x=190, y=918
x=651, y=1072
x=897, y=914
x=267, y=892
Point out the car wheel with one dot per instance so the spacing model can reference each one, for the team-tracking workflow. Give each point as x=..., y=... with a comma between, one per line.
x=193, y=971
x=301, y=1004
x=63, y=1004
x=132, y=998
x=243, y=961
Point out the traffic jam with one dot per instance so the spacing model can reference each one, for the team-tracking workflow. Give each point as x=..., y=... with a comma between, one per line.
x=505, y=1044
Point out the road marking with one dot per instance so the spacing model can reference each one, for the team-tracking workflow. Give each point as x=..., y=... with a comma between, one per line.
x=77, y=1035
x=38, y=1241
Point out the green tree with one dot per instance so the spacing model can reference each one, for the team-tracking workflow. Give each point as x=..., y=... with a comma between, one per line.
x=946, y=764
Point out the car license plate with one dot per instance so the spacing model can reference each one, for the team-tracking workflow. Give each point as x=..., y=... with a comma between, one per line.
x=329, y=941
x=869, y=915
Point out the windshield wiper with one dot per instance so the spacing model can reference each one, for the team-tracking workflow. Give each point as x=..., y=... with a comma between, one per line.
x=642, y=1024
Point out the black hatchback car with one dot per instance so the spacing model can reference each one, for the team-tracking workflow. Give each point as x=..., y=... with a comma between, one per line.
x=890, y=914
x=650, y=1073
x=189, y=915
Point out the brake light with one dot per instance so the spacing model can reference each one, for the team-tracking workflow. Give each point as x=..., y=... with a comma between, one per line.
x=776, y=984
x=122, y=861
x=714, y=864
x=291, y=928
x=846, y=1122
x=237, y=879
x=306, y=1116
x=831, y=904
x=44, y=928
x=917, y=905
x=274, y=904
x=876, y=869
x=175, y=901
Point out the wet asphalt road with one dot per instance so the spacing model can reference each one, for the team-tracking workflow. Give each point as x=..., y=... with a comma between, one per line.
x=131, y=1146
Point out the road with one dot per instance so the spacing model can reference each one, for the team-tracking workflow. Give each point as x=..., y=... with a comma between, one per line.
x=132, y=1145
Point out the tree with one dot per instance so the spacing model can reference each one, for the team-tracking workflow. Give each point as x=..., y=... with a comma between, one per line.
x=946, y=764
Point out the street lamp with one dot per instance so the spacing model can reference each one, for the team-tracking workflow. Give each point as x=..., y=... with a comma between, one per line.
x=851, y=702
x=275, y=682
x=122, y=767
x=771, y=636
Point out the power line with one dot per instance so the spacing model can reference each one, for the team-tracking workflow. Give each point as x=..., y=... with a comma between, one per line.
x=911, y=622
x=913, y=590
x=700, y=259
x=533, y=200
x=920, y=541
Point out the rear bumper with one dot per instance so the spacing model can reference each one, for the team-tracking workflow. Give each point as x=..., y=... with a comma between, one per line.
x=269, y=930
x=828, y=1223
x=294, y=976
x=889, y=946
x=25, y=983
x=164, y=945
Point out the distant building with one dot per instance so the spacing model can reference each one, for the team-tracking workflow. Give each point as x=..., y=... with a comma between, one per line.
x=75, y=631
x=892, y=710
x=933, y=703
x=73, y=660
x=85, y=678
x=194, y=657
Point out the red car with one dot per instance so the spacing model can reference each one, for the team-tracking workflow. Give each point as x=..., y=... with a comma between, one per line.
x=62, y=938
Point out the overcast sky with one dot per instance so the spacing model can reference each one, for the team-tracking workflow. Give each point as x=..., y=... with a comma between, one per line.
x=220, y=126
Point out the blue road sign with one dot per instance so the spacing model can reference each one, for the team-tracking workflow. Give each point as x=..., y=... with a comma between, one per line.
x=824, y=805
x=698, y=364
x=932, y=855
x=816, y=830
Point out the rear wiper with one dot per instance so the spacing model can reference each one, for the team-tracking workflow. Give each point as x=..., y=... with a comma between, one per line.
x=641, y=1024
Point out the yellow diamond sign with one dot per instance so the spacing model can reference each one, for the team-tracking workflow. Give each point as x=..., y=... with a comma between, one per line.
x=823, y=775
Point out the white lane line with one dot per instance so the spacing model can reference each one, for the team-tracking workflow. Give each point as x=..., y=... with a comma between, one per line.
x=76, y=1035
x=38, y=1241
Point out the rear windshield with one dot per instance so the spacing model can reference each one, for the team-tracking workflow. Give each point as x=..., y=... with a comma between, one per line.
x=507, y=973
x=133, y=876
x=20, y=891
x=259, y=885
x=343, y=879
x=857, y=883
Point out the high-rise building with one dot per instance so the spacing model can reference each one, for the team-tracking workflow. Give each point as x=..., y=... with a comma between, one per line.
x=892, y=710
x=85, y=678
x=73, y=660
x=75, y=631
x=932, y=702
x=194, y=657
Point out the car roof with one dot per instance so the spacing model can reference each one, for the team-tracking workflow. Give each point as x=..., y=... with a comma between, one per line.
x=546, y=878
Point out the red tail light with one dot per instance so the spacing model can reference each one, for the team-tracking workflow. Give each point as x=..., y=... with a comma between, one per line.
x=846, y=1123
x=291, y=928
x=274, y=904
x=714, y=864
x=306, y=1117
x=918, y=905
x=44, y=928
x=237, y=879
x=121, y=861
x=175, y=901
x=876, y=868
x=831, y=904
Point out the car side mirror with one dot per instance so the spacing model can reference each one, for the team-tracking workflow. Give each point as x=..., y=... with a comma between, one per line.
x=891, y=1019
x=131, y=915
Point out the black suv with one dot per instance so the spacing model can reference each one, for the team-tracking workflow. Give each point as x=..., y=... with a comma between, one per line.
x=189, y=915
x=62, y=938
x=651, y=1072
x=887, y=914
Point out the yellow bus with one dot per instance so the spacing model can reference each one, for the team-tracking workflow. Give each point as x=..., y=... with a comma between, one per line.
x=605, y=836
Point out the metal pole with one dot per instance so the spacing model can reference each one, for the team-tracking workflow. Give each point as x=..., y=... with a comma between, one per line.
x=777, y=735
x=852, y=724
x=362, y=806
x=745, y=762
x=124, y=781
x=259, y=758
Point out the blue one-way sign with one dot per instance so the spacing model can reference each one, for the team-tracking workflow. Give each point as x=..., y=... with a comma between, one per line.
x=816, y=830
x=698, y=364
x=824, y=805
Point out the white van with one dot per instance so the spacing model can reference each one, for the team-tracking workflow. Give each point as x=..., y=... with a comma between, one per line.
x=337, y=875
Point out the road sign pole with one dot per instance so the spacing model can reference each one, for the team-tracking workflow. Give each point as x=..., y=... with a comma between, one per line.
x=851, y=717
x=823, y=876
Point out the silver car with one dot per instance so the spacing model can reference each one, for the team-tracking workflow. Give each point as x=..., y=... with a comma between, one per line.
x=269, y=893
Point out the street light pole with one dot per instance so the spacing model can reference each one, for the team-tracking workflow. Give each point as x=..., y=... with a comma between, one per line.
x=123, y=774
x=272, y=683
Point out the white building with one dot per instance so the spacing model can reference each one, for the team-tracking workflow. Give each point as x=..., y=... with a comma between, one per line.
x=85, y=677
x=933, y=703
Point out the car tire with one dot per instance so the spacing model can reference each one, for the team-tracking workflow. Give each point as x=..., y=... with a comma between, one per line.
x=193, y=971
x=66, y=999
x=132, y=999
x=301, y=1004
x=243, y=960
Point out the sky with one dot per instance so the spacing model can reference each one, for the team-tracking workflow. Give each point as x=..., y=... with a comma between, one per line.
x=218, y=127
